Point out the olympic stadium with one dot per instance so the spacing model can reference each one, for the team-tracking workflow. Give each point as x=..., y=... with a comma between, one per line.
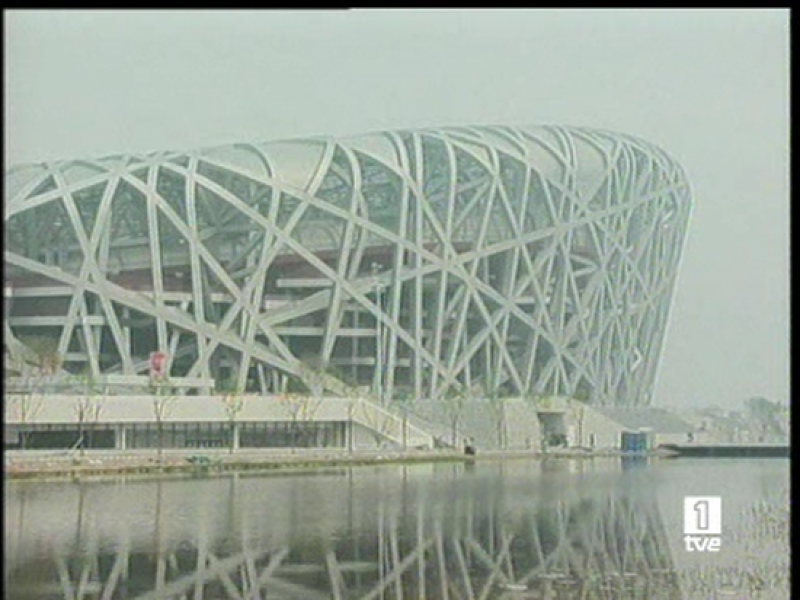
x=414, y=264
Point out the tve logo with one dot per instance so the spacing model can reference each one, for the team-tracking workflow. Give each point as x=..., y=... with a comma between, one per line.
x=702, y=523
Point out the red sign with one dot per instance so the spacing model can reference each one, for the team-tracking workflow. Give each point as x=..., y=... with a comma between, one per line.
x=158, y=364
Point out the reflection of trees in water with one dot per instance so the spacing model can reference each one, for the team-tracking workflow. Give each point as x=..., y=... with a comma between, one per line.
x=476, y=543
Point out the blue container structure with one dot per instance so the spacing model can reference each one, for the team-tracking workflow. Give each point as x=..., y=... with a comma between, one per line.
x=634, y=441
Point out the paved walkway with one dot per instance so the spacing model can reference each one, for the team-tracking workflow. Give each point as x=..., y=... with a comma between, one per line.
x=39, y=464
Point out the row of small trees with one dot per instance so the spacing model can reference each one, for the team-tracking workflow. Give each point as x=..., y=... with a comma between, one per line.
x=39, y=377
x=456, y=400
x=302, y=399
x=35, y=372
x=40, y=372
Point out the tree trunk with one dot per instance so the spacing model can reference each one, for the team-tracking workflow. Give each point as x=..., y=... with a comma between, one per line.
x=501, y=427
x=80, y=437
x=159, y=440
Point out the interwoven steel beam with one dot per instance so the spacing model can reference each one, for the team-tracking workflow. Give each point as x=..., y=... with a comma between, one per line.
x=515, y=260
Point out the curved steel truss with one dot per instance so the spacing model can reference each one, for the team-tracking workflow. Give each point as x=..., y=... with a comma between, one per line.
x=517, y=260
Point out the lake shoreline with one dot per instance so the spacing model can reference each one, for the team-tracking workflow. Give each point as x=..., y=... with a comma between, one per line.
x=113, y=465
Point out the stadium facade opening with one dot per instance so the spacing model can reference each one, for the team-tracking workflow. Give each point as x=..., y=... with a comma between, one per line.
x=507, y=260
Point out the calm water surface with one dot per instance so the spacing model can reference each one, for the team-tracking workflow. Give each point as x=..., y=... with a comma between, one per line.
x=598, y=528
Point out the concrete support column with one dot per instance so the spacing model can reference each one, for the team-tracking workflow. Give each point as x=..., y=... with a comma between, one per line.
x=119, y=437
x=126, y=330
x=350, y=433
x=235, y=434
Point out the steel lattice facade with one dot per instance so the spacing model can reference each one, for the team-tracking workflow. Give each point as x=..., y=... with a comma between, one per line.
x=514, y=260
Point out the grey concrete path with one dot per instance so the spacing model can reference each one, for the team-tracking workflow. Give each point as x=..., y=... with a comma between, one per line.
x=41, y=464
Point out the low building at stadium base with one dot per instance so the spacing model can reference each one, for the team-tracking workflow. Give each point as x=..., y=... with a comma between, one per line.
x=415, y=265
x=132, y=423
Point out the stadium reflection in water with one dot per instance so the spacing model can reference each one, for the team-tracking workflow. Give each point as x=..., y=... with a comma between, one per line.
x=520, y=529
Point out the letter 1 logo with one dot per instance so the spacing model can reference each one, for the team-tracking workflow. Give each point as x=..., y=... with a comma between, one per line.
x=702, y=523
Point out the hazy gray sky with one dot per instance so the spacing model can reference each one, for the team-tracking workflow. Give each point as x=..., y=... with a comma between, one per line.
x=710, y=86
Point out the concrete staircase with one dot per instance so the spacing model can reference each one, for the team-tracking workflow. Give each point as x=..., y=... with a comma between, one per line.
x=397, y=428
